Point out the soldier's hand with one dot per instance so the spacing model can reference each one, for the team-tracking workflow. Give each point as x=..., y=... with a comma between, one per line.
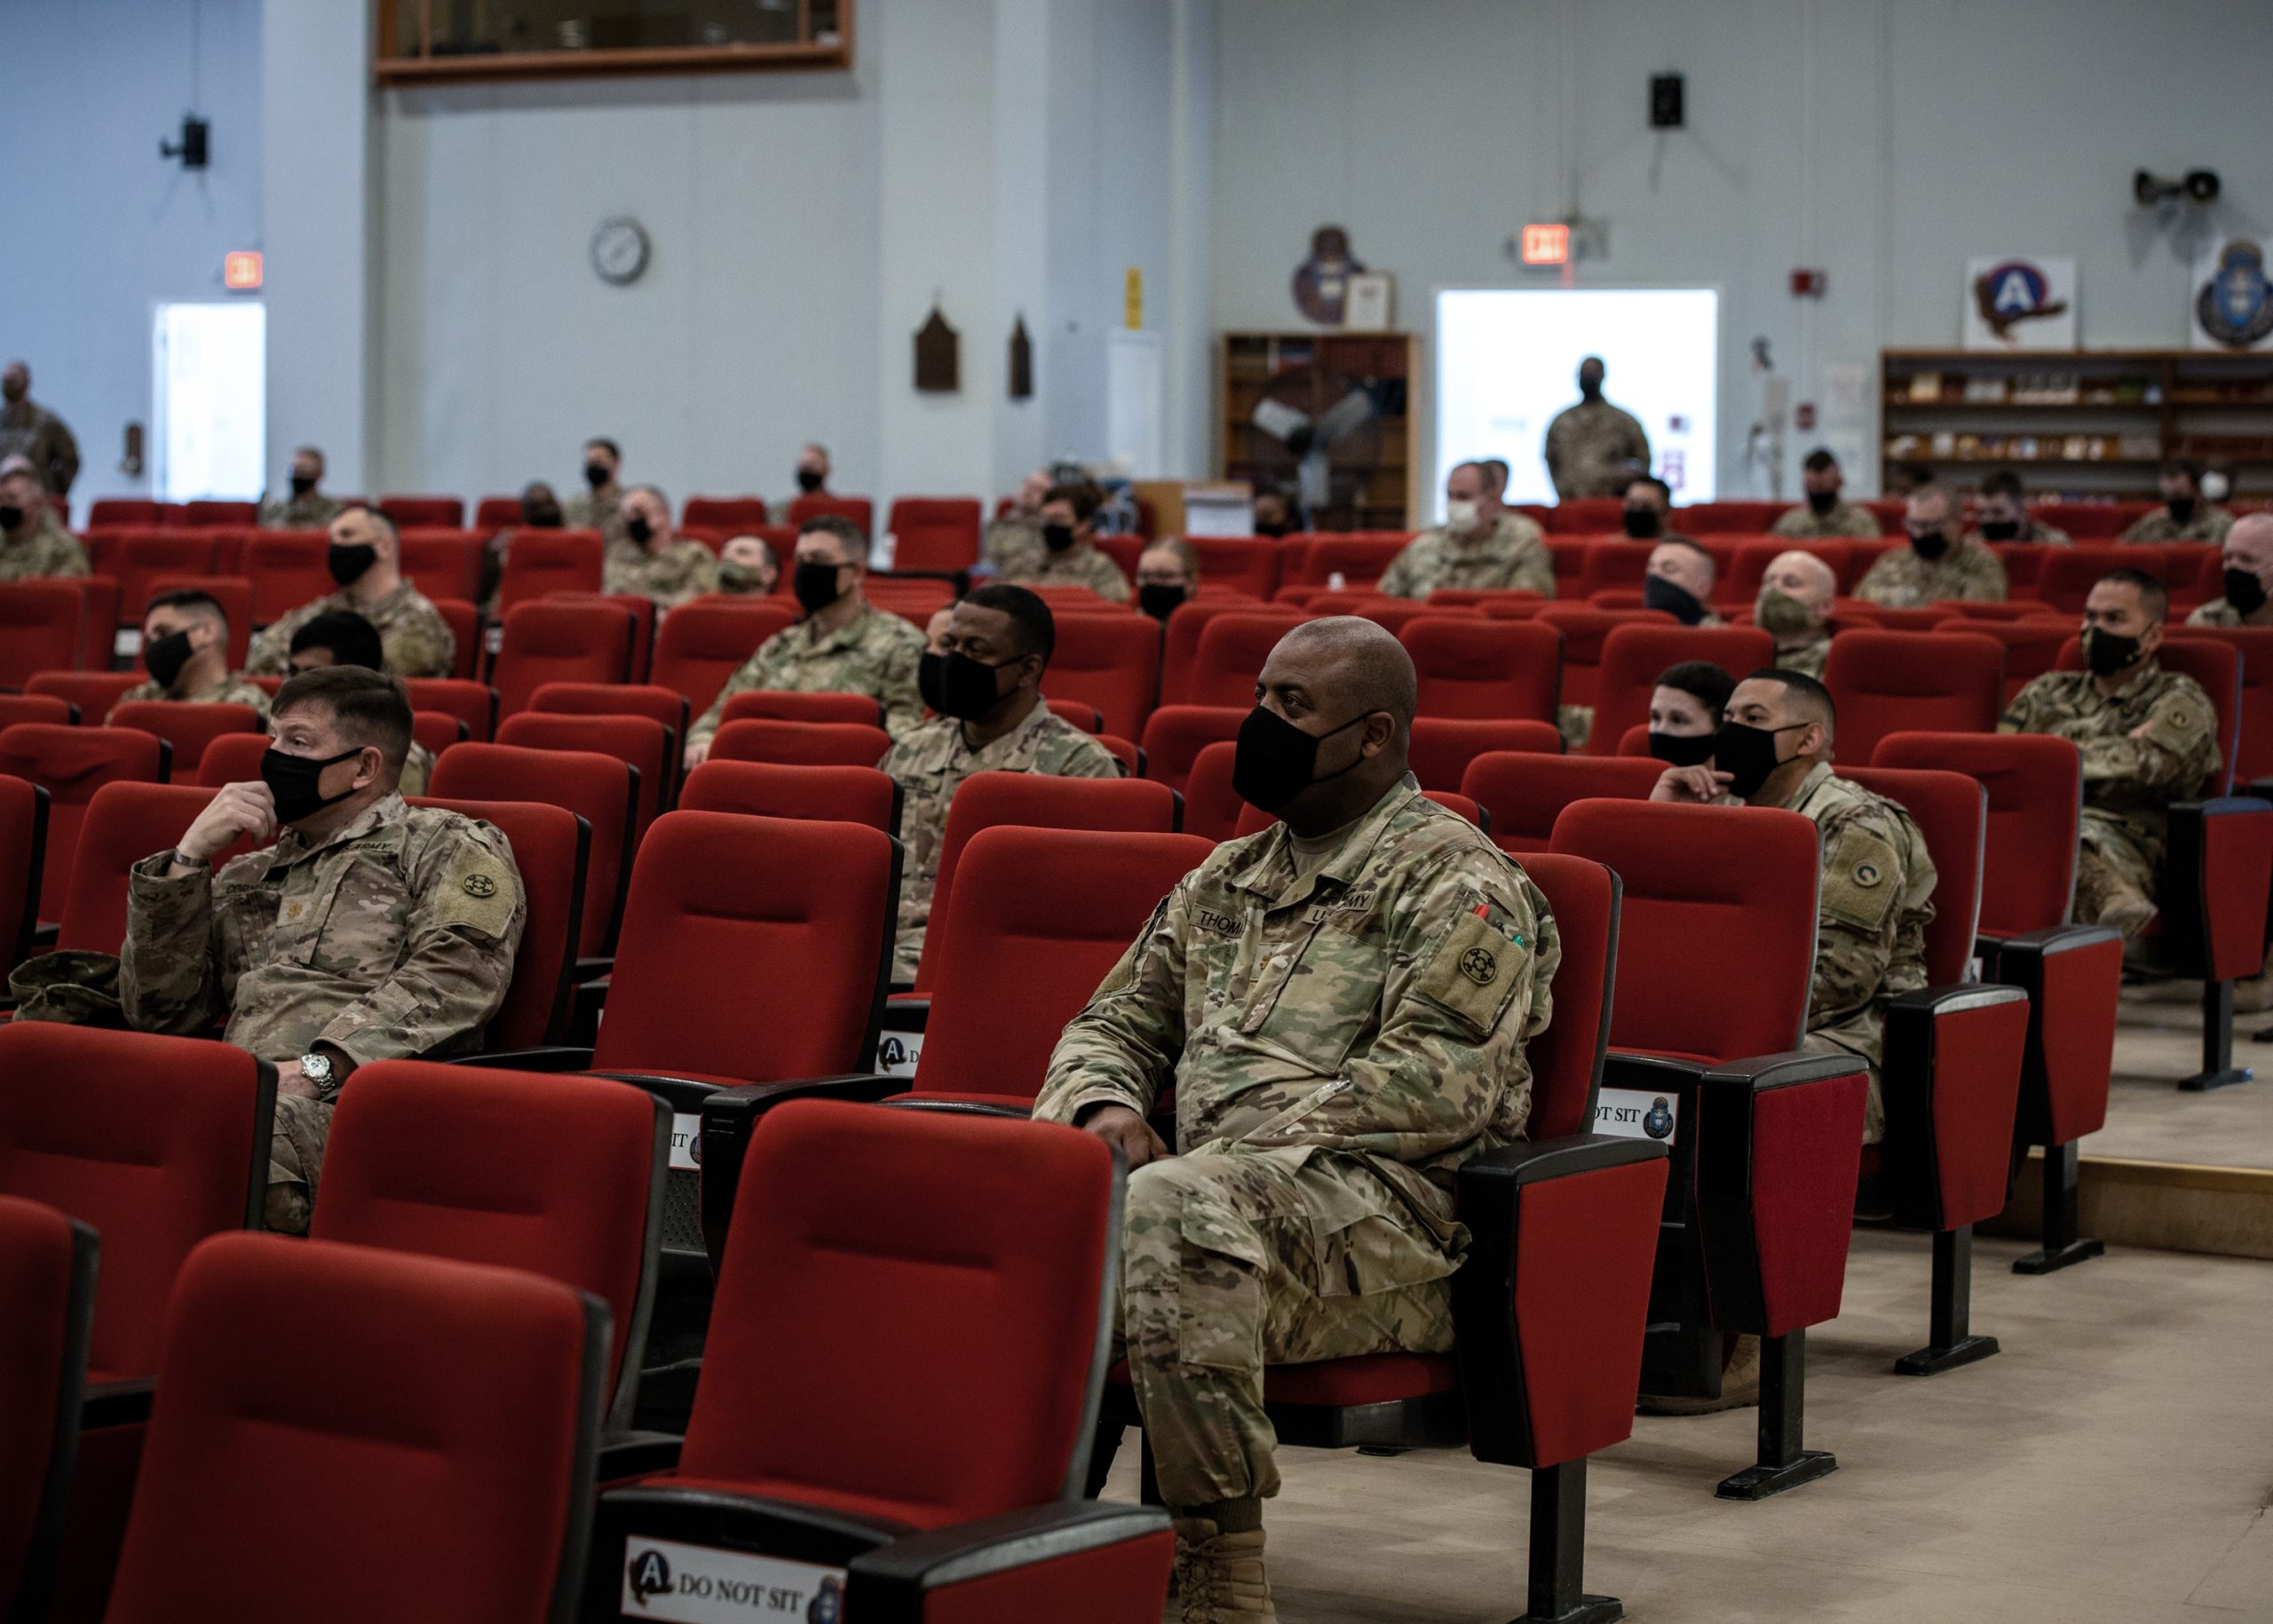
x=2142, y=730
x=291, y=1084
x=698, y=751
x=1690, y=784
x=1119, y=1125
x=238, y=811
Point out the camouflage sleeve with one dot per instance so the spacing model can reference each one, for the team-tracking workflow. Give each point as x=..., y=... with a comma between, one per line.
x=1397, y=580
x=2020, y=716
x=897, y=690
x=1876, y=586
x=1534, y=570
x=1557, y=454
x=2175, y=755
x=1985, y=581
x=1865, y=881
x=466, y=927
x=70, y=560
x=699, y=578
x=749, y=677
x=168, y=979
x=423, y=645
x=63, y=466
x=1126, y=1044
x=1637, y=444
x=1107, y=581
x=1090, y=759
x=1863, y=525
x=1906, y=969
x=272, y=650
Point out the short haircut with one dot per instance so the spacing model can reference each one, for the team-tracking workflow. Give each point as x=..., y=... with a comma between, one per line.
x=2179, y=464
x=1086, y=498
x=606, y=445
x=2003, y=482
x=1187, y=556
x=1821, y=461
x=352, y=639
x=1495, y=471
x=1037, y=628
x=1933, y=487
x=1379, y=669
x=2154, y=597
x=1706, y=683
x=656, y=491
x=366, y=707
x=1663, y=489
x=377, y=515
x=1697, y=547
x=855, y=539
x=314, y=451
x=192, y=601
x=1811, y=695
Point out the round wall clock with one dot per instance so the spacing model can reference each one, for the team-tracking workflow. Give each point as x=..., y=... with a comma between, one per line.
x=620, y=250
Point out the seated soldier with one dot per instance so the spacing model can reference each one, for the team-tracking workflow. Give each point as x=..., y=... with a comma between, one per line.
x=747, y=567
x=1680, y=582
x=1478, y=547
x=365, y=930
x=985, y=724
x=1330, y=1079
x=844, y=644
x=1827, y=513
x=1168, y=576
x=345, y=637
x=2187, y=515
x=2149, y=737
x=602, y=509
x=1648, y=514
x=306, y=508
x=1014, y=540
x=1794, y=608
x=33, y=540
x=1935, y=566
x=186, y=650
x=1685, y=710
x=1068, y=556
x=651, y=560
x=2248, y=559
x=366, y=559
x=2001, y=514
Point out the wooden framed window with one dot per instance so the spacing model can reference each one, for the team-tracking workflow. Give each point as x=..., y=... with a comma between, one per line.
x=437, y=41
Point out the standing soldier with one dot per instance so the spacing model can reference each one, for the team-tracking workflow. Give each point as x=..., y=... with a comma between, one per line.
x=1935, y=565
x=1593, y=448
x=30, y=430
x=1827, y=513
x=1474, y=549
x=307, y=508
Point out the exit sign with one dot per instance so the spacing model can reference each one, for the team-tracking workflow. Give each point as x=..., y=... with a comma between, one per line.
x=240, y=272
x=1547, y=244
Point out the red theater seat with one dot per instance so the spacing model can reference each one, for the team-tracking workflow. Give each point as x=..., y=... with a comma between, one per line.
x=212, y=515
x=1633, y=656
x=1111, y=661
x=47, y=1306
x=2253, y=758
x=839, y=744
x=763, y=703
x=859, y=509
x=701, y=644
x=23, y=853
x=71, y=764
x=1228, y=659
x=662, y=705
x=773, y=789
x=473, y=703
x=539, y=563
x=733, y=514
x=1180, y=648
x=640, y=743
x=1584, y=628
x=934, y=532
x=435, y=512
x=560, y=642
x=599, y=788
x=187, y=728
x=110, y=512
x=1739, y=518
x=125, y=823
x=1211, y=806
x=1443, y=748
x=1358, y=557
x=494, y=513
x=1586, y=516
x=446, y=564
x=137, y=558
x=42, y=627
x=2067, y=575
x=1884, y=682
x=286, y=568
x=1739, y=585
x=1175, y=736
x=1485, y=669
x=1525, y=792
x=1246, y=564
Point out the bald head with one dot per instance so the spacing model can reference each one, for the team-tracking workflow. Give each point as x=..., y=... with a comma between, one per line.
x=1802, y=575
x=1349, y=685
x=2249, y=546
x=1356, y=665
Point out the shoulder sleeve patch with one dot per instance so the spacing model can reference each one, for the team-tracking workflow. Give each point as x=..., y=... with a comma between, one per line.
x=1476, y=966
x=478, y=889
x=1862, y=878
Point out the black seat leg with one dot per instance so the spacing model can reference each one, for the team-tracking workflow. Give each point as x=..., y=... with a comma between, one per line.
x=1783, y=1463
x=1953, y=1343
x=1558, y=1550
x=2062, y=1245
x=2218, y=1068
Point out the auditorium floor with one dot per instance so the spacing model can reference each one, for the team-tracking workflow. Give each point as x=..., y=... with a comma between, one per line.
x=2150, y=1120
x=2114, y=1462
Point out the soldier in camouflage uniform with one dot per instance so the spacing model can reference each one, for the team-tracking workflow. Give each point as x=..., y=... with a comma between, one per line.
x=652, y=561
x=306, y=508
x=747, y=567
x=1068, y=555
x=1342, y=1004
x=1593, y=448
x=1827, y=515
x=844, y=644
x=365, y=558
x=602, y=509
x=345, y=637
x=185, y=649
x=2001, y=514
x=1933, y=568
x=1014, y=541
x=984, y=726
x=1794, y=608
x=2185, y=517
x=1474, y=550
x=1648, y=514
x=2249, y=567
x=33, y=542
x=30, y=430
x=2149, y=737
x=367, y=931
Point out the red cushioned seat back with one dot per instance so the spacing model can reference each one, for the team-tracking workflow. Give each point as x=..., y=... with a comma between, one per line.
x=1077, y=714
x=2214, y=664
x=561, y=1175
x=1180, y=647
x=1443, y=746
x=1212, y=808
x=1737, y=518
x=598, y=787
x=234, y=758
x=1952, y=812
x=2034, y=786
x=857, y=709
x=124, y=823
x=114, y=510
x=439, y=512
x=1885, y=682
x=1632, y=657
x=1233, y=648
x=206, y=515
x=553, y=848
x=94, y=692
x=138, y=558
x=775, y=789
x=1039, y=800
x=734, y=513
x=1525, y=792
x=1566, y=1060
x=812, y=744
x=1611, y=562
x=1176, y=734
x=493, y=513
x=474, y=703
x=803, y=911
x=1485, y=669
x=934, y=532
x=667, y=706
x=42, y=627
x=286, y=568
x=640, y=610
x=1732, y=886
x=1585, y=515
x=1247, y=565
x=1740, y=583
x=1040, y=918
x=542, y=562
x=23, y=848
x=2092, y=522
x=179, y=1151
x=71, y=764
x=2031, y=645
x=1359, y=557
x=1584, y=628
x=434, y=730
x=914, y=598
x=638, y=741
x=1394, y=614
x=1253, y=819
x=187, y=728
x=1112, y=661
x=461, y=1418
x=2253, y=756
x=446, y=565
x=870, y=1231
x=2067, y=575
x=859, y=509
x=560, y=642
x=47, y=1305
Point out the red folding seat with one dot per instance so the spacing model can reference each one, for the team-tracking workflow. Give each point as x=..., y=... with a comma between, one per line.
x=640, y=743
x=552, y=849
x=701, y=644
x=1480, y=668
x=91, y=694
x=1131, y=758
x=2092, y=522
x=914, y=598
x=209, y=515
x=1211, y=806
x=859, y=509
x=47, y=1307
x=23, y=855
x=124, y=823
x=466, y=1403
x=539, y=563
x=1740, y=583
x=1613, y=562
x=467, y=639
x=1394, y=614
x=773, y=789
x=934, y=532
x=667, y=706
x=2253, y=750
x=1525, y=792
x=1633, y=656
x=111, y=512
x=286, y=569
x=187, y=728
x=2031, y=646
x=733, y=514
x=1744, y=517
x=493, y=513
x=1181, y=644
x=140, y=556
x=1231, y=655
x=2068, y=573
x=434, y=730
x=766, y=703
x=1586, y=516
x=1359, y=557
x=1584, y=628
x=42, y=627
x=1175, y=736
x=1124, y=550
x=1241, y=564
x=601, y=790
x=71, y=764
x=1111, y=662
x=473, y=703
x=1443, y=746
x=432, y=513
x=560, y=642
x=1767, y=1141
x=446, y=564
x=1884, y=682
x=843, y=744
x=1971, y=609
x=234, y=758
x=1084, y=717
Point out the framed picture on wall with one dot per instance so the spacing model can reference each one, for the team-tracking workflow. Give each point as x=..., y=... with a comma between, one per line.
x=2019, y=301
x=1367, y=308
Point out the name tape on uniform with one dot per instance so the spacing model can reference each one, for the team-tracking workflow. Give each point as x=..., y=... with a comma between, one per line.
x=1635, y=1113
x=687, y=1142
x=693, y=1584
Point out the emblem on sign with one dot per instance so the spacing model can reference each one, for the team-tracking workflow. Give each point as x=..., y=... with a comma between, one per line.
x=2014, y=292
x=1658, y=1123
x=1479, y=966
x=2235, y=306
x=650, y=1575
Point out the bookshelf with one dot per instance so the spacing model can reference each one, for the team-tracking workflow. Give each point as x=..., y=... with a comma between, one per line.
x=1375, y=467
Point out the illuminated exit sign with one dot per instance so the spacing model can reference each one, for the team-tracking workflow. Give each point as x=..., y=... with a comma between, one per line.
x=1547, y=244
x=240, y=272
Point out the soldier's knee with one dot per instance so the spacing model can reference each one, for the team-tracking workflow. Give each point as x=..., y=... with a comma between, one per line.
x=286, y=1209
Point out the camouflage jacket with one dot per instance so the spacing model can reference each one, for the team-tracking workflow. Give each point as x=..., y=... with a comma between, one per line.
x=681, y=569
x=418, y=640
x=1080, y=565
x=418, y=770
x=2208, y=524
x=2133, y=780
x=1807, y=658
x=1013, y=542
x=393, y=937
x=2217, y=612
x=1899, y=579
x=2032, y=532
x=876, y=655
x=929, y=763
x=1593, y=448
x=1511, y=555
x=1380, y=1007
x=601, y=510
x=1851, y=520
x=43, y=549
x=1871, y=909
x=231, y=690
x=312, y=511
x=29, y=429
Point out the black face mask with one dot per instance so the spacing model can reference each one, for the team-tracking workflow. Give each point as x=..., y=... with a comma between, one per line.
x=349, y=564
x=1823, y=502
x=1275, y=761
x=2000, y=529
x=165, y=657
x=596, y=474
x=930, y=682
x=639, y=530
x=2181, y=508
x=1929, y=544
x=1675, y=599
x=1159, y=601
x=1057, y=538
x=303, y=483
x=291, y=780
x=1682, y=749
x=968, y=688
x=1273, y=529
x=11, y=516
x=2107, y=653
x=1747, y=754
x=815, y=585
x=2245, y=593
x=1643, y=524
x=809, y=480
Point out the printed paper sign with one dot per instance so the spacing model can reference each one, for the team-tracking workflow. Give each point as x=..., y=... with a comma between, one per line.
x=1635, y=1113
x=687, y=1141
x=693, y=1584
x=897, y=1053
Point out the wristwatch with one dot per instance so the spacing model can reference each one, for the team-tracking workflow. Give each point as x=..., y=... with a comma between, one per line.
x=317, y=1067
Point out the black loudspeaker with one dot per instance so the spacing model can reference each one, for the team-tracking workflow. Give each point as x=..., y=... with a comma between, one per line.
x=1666, y=101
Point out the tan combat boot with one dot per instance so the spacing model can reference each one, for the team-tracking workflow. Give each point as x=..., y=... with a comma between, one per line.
x=1219, y=1575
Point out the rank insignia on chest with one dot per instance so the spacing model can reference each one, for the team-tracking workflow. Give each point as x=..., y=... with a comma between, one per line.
x=1480, y=966
x=481, y=885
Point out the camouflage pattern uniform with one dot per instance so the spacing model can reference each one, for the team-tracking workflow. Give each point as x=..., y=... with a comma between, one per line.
x=1873, y=909
x=1013, y=542
x=1512, y=555
x=2128, y=782
x=929, y=763
x=1900, y=579
x=416, y=639
x=876, y=655
x=43, y=547
x=2208, y=525
x=1343, y=1032
x=600, y=511
x=29, y=429
x=1848, y=519
x=231, y=690
x=2033, y=532
x=670, y=576
x=418, y=770
x=1080, y=565
x=1807, y=658
x=393, y=937
x=1593, y=448
x=312, y=511
x=2217, y=612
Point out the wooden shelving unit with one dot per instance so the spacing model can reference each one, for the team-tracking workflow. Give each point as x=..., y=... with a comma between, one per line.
x=1311, y=371
x=426, y=42
x=2078, y=423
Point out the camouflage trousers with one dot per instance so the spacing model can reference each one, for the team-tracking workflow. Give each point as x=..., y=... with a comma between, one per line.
x=1234, y=1259
x=1827, y=1043
x=295, y=1161
x=2116, y=867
